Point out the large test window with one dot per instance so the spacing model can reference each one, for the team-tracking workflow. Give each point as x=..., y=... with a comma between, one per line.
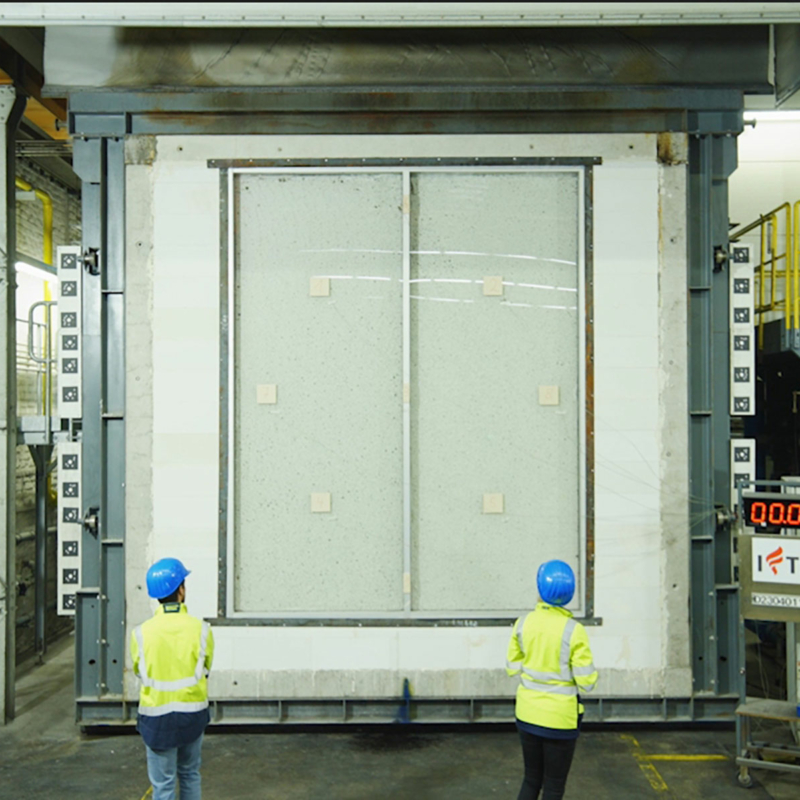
x=404, y=388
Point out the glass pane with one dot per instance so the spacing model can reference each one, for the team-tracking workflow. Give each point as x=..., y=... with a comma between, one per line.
x=479, y=363
x=335, y=360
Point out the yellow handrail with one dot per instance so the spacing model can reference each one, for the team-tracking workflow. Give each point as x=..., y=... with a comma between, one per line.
x=768, y=225
x=47, y=253
x=761, y=288
x=796, y=267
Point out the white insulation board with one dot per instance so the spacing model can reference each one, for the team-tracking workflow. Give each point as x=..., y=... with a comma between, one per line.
x=641, y=522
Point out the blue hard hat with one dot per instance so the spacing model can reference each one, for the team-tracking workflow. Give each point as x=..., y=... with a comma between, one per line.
x=556, y=582
x=164, y=577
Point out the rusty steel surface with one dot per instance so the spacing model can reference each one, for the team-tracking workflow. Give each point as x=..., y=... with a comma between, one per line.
x=404, y=110
x=457, y=97
x=733, y=56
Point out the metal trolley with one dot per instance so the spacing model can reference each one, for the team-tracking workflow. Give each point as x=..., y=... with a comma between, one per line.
x=769, y=575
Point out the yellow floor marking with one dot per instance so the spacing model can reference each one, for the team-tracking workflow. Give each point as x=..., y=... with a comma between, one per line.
x=148, y=793
x=687, y=757
x=650, y=772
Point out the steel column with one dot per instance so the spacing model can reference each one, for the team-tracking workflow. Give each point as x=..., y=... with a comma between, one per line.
x=8, y=587
x=714, y=610
x=40, y=453
x=100, y=621
x=11, y=108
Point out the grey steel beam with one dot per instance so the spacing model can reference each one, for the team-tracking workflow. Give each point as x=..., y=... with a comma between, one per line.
x=464, y=98
x=406, y=110
x=286, y=712
x=714, y=598
x=524, y=122
x=11, y=109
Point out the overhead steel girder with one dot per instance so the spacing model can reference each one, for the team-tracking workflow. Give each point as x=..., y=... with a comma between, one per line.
x=455, y=97
x=455, y=109
x=591, y=58
x=424, y=81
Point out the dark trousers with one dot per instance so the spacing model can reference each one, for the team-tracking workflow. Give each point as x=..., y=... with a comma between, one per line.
x=547, y=763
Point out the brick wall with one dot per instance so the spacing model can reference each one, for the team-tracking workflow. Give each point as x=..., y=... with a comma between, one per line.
x=30, y=241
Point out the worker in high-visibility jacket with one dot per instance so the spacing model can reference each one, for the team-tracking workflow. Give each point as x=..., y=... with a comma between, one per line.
x=172, y=654
x=550, y=652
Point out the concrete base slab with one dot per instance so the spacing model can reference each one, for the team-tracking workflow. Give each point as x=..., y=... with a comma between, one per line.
x=45, y=755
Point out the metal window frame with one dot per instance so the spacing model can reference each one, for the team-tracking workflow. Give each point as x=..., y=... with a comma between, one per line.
x=582, y=167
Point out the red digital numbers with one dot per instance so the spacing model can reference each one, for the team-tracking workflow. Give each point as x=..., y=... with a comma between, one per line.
x=758, y=513
x=779, y=513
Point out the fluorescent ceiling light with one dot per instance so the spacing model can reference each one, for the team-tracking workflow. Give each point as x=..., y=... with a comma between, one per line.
x=37, y=271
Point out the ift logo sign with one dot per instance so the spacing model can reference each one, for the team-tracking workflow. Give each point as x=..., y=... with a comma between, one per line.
x=776, y=561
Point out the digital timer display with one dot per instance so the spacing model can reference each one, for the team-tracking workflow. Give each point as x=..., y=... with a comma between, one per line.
x=771, y=512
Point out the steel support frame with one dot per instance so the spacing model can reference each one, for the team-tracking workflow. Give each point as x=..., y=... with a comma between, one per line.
x=714, y=593
x=100, y=613
x=100, y=121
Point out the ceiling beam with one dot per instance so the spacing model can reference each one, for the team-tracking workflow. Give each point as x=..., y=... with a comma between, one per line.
x=787, y=64
x=393, y=15
x=21, y=59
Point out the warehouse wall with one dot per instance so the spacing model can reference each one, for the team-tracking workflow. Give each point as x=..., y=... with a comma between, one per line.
x=641, y=480
x=769, y=168
x=768, y=175
x=30, y=241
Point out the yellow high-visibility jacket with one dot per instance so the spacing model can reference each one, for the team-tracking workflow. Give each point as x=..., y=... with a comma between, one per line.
x=550, y=652
x=172, y=654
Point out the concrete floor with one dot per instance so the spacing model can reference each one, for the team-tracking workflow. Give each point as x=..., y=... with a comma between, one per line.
x=45, y=756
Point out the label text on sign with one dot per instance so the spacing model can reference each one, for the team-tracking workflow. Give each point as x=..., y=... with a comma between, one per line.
x=776, y=600
x=776, y=560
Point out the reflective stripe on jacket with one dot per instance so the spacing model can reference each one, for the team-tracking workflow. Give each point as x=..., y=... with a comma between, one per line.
x=172, y=655
x=550, y=652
